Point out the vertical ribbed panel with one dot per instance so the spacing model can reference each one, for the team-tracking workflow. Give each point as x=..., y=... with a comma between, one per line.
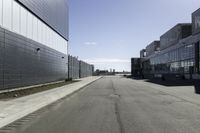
x=53, y=12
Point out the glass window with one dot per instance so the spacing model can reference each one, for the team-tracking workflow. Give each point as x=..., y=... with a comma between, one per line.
x=7, y=14
x=23, y=22
x=30, y=26
x=16, y=17
x=1, y=12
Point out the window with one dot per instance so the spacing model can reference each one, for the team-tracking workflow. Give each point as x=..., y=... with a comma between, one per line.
x=7, y=14
x=16, y=17
x=23, y=21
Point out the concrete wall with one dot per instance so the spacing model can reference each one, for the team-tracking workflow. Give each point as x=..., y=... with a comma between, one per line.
x=196, y=22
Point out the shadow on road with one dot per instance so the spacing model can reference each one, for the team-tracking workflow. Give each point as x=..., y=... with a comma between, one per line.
x=169, y=82
x=197, y=87
x=177, y=82
x=174, y=83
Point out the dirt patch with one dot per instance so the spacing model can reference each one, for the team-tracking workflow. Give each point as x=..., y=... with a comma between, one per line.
x=29, y=91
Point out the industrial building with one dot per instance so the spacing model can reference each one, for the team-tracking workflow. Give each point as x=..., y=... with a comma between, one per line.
x=176, y=54
x=33, y=42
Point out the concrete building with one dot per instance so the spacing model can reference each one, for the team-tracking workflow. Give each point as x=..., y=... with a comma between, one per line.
x=33, y=42
x=179, y=54
x=143, y=53
x=153, y=48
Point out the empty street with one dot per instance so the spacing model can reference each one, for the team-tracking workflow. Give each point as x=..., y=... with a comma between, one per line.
x=114, y=105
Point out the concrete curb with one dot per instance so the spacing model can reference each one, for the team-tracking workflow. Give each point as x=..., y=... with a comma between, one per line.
x=19, y=108
x=28, y=87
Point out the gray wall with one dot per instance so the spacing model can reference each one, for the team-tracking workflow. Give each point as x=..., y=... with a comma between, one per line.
x=53, y=12
x=21, y=64
x=79, y=69
x=196, y=22
x=175, y=34
x=85, y=69
x=73, y=67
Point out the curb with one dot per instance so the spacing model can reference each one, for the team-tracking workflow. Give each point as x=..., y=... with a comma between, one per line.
x=17, y=116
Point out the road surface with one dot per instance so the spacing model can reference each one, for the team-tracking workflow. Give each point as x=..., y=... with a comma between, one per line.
x=113, y=105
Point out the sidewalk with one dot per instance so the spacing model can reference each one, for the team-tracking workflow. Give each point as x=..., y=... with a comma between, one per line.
x=15, y=109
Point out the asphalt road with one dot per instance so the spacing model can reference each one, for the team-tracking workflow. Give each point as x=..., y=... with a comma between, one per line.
x=113, y=105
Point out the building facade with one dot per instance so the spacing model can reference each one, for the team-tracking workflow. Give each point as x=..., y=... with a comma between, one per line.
x=136, y=70
x=33, y=42
x=179, y=54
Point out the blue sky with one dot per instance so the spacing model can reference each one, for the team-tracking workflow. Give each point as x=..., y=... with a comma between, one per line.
x=108, y=33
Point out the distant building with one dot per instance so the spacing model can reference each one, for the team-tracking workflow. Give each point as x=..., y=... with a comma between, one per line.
x=104, y=72
x=179, y=52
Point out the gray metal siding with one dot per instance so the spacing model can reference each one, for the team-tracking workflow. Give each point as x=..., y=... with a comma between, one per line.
x=53, y=12
x=85, y=69
x=73, y=67
x=21, y=64
x=1, y=56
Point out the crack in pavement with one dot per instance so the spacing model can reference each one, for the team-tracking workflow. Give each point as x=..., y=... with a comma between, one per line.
x=117, y=110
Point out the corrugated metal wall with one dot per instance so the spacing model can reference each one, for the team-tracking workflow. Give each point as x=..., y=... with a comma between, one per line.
x=79, y=69
x=53, y=12
x=73, y=67
x=22, y=65
x=85, y=69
